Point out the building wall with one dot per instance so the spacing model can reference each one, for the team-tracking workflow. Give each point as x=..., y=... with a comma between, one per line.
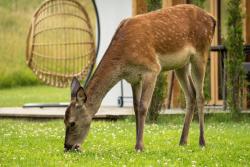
x=111, y=12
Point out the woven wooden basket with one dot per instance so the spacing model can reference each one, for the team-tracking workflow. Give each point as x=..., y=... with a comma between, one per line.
x=61, y=42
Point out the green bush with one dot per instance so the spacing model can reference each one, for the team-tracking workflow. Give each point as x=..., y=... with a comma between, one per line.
x=199, y=3
x=159, y=95
x=235, y=58
x=154, y=4
x=18, y=78
x=15, y=16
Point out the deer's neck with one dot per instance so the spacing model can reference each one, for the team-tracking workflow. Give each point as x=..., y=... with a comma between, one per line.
x=105, y=77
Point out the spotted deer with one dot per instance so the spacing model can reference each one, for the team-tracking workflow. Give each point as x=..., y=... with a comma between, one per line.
x=176, y=38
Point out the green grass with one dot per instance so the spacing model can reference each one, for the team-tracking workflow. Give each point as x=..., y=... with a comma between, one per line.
x=34, y=94
x=15, y=18
x=40, y=143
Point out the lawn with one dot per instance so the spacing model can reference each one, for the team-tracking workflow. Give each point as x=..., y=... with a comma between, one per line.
x=18, y=96
x=40, y=143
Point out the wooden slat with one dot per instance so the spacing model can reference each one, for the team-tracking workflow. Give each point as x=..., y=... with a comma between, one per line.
x=59, y=74
x=63, y=14
x=56, y=4
x=214, y=60
x=176, y=2
x=247, y=22
x=61, y=58
x=63, y=28
x=167, y=3
x=139, y=7
x=168, y=100
x=246, y=90
x=63, y=43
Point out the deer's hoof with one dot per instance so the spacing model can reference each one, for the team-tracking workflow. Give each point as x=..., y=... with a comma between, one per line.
x=202, y=142
x=139, y=147
x=183, y=143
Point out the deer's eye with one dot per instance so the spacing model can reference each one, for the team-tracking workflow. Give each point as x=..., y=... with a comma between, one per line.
x=78, y=107
x=72, y=124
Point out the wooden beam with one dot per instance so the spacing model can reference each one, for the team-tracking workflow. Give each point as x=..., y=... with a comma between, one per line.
x=214, y=59
x=139, y=7
x=168, y=3
x=176, y=2
x=168, y=100
x=218, y=18
x=246, y=27
x=213, y=55
x=247, y=22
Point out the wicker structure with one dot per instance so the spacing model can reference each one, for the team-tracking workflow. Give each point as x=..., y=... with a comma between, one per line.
x=61, y=42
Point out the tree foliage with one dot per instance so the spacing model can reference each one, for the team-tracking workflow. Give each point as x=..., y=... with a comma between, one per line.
x=234, y=44
x=158, y=98
x=199, y=3
x=154, y=4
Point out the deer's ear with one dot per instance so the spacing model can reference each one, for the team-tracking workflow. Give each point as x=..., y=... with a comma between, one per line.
x=81, y=96
x=75, y=85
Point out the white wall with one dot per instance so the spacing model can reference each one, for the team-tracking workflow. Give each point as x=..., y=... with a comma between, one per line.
x=111, y=12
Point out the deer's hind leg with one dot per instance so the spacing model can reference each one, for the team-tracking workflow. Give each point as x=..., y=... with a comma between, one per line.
x=198, y=69
x=187, y=87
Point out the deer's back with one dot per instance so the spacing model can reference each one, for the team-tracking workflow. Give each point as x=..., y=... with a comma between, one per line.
x=143, y=38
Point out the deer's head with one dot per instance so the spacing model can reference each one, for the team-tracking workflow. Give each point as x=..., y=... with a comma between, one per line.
x=77, y=118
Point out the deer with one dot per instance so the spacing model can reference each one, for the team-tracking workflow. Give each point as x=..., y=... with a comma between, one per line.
x=176, y=38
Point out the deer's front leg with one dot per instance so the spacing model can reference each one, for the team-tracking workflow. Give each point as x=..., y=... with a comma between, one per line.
x=136, y=89
x=148, y=85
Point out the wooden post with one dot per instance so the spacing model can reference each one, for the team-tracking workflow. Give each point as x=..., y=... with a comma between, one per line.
x=247, y=24
x=139, y=7
x=214, y=60
x=176, y=2
x=246, y=4
x=167, y=3
x=214, y=57
x=247, y=29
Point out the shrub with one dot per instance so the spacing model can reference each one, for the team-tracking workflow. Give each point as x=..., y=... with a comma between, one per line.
x=234, y=44
x=158, y=97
